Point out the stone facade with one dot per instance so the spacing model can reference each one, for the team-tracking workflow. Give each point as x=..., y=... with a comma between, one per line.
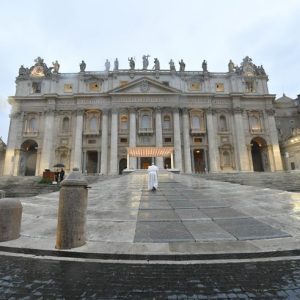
x=213, y=121
x=2, y=155
x=288, y=126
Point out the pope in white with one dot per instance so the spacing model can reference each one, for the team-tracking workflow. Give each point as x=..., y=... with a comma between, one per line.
x=152, y=177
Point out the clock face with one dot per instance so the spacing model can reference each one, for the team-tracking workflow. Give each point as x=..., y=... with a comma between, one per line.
x=38, y=71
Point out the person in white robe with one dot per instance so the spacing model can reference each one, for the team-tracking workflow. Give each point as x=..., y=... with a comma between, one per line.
x=152, y=177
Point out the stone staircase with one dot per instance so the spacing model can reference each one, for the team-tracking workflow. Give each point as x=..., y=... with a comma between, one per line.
x=28, y=186
x=25, y=186
x=287, y=181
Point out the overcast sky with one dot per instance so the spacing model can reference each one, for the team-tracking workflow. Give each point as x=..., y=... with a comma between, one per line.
x=95, y=30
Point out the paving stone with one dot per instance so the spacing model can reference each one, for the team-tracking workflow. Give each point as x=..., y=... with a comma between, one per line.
x=191, y=214
x=161, y=232
x=155, y=205
x=223, y=213
x=250, y=228
x=207, y=231
x=182, y=204
x=157, y=215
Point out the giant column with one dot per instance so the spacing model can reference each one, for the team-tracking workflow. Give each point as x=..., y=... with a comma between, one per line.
x=14, y=128
x=77, y=160
x=47, y=148
x=158, y=136
x=131, y=164
x=104, y=142
x=274, y=140
x=214, y=159
x=240, y=141
x=114, y=143
x=177, y=140
x=186, y=141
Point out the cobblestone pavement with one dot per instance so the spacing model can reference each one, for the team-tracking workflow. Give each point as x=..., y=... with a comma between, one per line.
x=34, y=278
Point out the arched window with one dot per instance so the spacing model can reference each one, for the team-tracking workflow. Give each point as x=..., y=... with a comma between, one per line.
x=167, y=122
x=65, y=124
x=32, y=125
x=196, y=122
x=124, y=122
x=93, y=124
x=146, y=121
x=223, y=125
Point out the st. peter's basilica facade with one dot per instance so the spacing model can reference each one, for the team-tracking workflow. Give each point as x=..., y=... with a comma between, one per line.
x=103, y=122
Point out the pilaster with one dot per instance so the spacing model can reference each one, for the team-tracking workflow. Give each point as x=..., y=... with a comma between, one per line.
x=177, y=140
x=158, y=136
x=104, y=142
x=186, y=141
x=114, y=143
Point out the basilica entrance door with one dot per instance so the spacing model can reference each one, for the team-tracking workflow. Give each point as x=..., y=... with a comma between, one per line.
x=199, y=161
x=122, y=165
x=92, y=162
x=259, y=155
x=28, y=158
x=145, y=162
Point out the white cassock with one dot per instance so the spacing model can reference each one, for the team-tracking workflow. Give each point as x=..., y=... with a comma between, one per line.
x=152, y=177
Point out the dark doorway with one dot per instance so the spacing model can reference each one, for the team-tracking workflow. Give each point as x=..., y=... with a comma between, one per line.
x=92, y=162
x=145, y=162
x=199, y=161
x=28, y=158
x=259, y=153
x=167, y=163
x=122, y=165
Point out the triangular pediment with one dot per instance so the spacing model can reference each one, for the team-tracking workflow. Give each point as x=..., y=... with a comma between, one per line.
x=143, y=85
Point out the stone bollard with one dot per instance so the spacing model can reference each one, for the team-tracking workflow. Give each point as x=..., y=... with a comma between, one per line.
x=2, y=194
x=71, y=221
x=10, y=219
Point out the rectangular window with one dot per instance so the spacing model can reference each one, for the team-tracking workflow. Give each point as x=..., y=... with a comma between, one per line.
x=123, y=140
x=91, y=141
x=250, y=87
x=168, y=140
x=36, y=87
x=198, y=140
x=219, y=87
x=195, y=86
x=94, y=86
x=68, y=88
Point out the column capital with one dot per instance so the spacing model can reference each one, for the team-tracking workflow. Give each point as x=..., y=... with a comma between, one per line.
x=238, y=110
x=158, y=109
x=185, y=110
x=211, y=111
x=79, y=112
x=132, y=109
x=270, y=112
x=105, y=111
x=114, y=110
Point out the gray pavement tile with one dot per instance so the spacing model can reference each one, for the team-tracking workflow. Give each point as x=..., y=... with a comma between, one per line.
x=112, y=215
x=191, y=214
x=157, y=215
x=250, y=229
x=223, y=213
x=177, y=197
x=155, y=205
x=153, y=197
x=182, y=204
x=207, y=231
x=110, y=231
x=160, y=232
x=210, y=204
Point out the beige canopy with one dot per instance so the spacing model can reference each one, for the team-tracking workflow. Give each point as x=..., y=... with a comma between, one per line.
x=150, y=151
